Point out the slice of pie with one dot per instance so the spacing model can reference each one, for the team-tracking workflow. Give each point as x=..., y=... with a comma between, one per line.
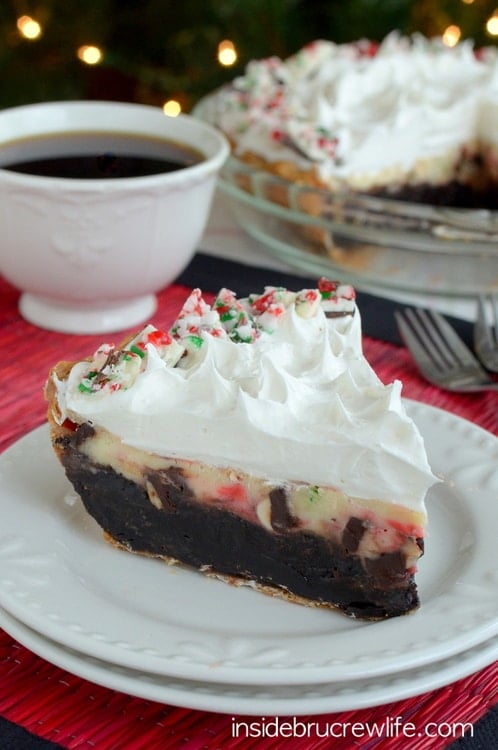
x=253, y=442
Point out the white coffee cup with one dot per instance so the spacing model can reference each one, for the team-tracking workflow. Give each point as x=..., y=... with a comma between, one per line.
x=89, y=255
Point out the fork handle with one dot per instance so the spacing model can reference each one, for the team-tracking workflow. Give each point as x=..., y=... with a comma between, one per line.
x=477, y=388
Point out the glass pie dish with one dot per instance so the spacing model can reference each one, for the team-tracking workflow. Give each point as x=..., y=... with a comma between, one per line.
x=371, y=242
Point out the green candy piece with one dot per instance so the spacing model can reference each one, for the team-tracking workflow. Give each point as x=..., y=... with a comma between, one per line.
x=84, y=388
x=197, y=341
x=137, y=350
x=314, y=494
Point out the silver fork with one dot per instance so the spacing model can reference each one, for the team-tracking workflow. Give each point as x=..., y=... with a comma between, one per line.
x=486, y=332
x=440, y=353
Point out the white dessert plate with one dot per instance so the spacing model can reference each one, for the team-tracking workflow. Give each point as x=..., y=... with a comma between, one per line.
x=261, y=700
x=61, y=579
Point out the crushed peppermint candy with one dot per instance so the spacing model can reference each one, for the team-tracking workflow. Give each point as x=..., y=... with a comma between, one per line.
x=119, y=370
x=241, y=321
x=236, y=320
x=195, y=318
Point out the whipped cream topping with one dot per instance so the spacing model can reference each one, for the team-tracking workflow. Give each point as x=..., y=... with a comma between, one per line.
x=275, y=384
x=335, y=107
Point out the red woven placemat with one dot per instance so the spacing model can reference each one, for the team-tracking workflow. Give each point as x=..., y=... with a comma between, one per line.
x=77, y=714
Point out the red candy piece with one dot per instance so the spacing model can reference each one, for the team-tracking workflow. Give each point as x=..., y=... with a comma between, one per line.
x=159, y=338
x=69, y=424
x=311, y=295
x=236, y=492
x=262, y=303
x=194, y=305
x=326, y=285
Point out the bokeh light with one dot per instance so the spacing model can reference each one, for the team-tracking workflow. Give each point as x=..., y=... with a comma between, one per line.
x=28, y=27
x=451, y=35
x=227, y=54
x=172, y=108
x=89, y=54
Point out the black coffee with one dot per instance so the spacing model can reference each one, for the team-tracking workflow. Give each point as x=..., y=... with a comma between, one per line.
x=92, y=156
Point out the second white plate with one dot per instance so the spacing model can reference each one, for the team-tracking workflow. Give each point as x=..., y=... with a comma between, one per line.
x=59, y=577
x=272, y=700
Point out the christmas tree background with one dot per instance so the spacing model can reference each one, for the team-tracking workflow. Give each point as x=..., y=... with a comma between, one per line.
x=159, y=50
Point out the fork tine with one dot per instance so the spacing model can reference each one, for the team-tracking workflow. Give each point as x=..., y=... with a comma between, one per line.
x=407, y=335
x=414, y=343
x=493, y=301
x=427, y=335
x=446, y=347
x=483, y=330
x=486, y=331
x=453, y=345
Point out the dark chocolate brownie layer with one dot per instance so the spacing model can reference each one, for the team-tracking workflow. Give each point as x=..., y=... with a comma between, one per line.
x=299, y=563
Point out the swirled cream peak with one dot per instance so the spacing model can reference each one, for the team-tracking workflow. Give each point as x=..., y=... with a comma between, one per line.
x=275, y=384
x=334, y=107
